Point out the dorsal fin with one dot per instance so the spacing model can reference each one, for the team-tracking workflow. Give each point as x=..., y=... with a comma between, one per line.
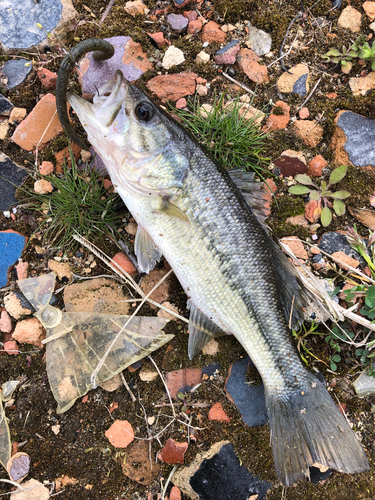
x=201, y=331
x=252, y=192
x=148, y=254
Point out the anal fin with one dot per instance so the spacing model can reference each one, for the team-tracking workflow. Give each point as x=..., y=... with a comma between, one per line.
x=148, y=254
x=201, y=331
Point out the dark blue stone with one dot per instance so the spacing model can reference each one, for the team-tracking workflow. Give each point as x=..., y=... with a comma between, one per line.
x=16, y=71
x=11, y=176
x=11, y=246
x=360, y=133
x=248, y=398
x=300, y=86
x=19, y=18
x=336, y=242
x=227, y=47
x=223, y=477
x=5, y=105
x=316, y=476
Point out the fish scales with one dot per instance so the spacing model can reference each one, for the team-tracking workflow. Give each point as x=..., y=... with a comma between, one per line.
x=237, y=280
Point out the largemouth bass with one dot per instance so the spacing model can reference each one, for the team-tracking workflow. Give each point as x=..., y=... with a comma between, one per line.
x=236, y=278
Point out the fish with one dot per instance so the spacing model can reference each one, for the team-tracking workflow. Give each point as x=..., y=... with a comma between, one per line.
x=208, y=224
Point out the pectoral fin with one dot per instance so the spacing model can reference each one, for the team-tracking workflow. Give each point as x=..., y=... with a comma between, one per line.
x=148, y=254
x=173, y=211
x=201, y=331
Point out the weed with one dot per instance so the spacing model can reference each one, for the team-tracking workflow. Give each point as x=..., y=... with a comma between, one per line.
x=360, y=49
x=233, y=140
x=79, y=202
x=323, y=193
x=366, y=250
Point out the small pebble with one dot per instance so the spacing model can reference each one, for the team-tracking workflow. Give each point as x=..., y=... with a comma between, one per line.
x=231, y=72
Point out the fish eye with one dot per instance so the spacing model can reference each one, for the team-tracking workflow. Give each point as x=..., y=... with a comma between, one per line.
x=144, y=111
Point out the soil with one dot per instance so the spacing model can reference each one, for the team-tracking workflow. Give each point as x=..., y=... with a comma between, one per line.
x=80, y=450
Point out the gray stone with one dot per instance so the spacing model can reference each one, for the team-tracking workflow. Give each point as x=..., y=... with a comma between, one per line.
x=360, y=133
x=260, y=41
x=335, y=242
x=19, y=18
x=300, y=86
x=16, y=71
x=5, y=106
x=178, y=22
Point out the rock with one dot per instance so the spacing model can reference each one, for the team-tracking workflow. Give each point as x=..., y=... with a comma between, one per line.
x=62, y=269
x=345, y=259
x=248, y=63
x=290, y=166
x=335, y=242
x=15, y=70
x=350, y=19
x=18, y=27
x=364, y=216
x=173, y=57
x=18, y=466
x=309, y=131
x=260, y=41
x=5, y=106
x=352, y=141
x=181, y=3
x=137, y=465
x=217, y=413
x=227, y=55
x=296, y=245
x=158, y=39
x=211, y=348
x=120, y=434
x=21, y=270
x=29, y=331
x=205, y=110
x=17, y=305
x=372, y=26
x=296, y=80
x=128, y=57
x=362, y=85
x=249, y=399
x=316, y=166
x=219, y=470
x=211, y=33
x=65, y=480
x=364, y=385
x=369, y=8
x=202, y=90
x=304, y=113
x=172, y=87
x=173, y=452
x=294, y=154
x=202, y=57
x=178, y=22
x=31, y=490
x=47, y=78
x=181, y=103
x=175, y=493
x=63, y=157
x=191, y=15
x=182, y=380
x=112, y=384
x=11, y=348
x=17, y=115
x=297, y=220
x=125, y=263
x=131, y=228
x=5, y=322
x=165, y=314
x=331, y=95
x=40, y=126
x=313, y=209
x=194, y=27
x=43, y=187
x=4, y=129
x=101, y=295
x=279, y=118
x=148, y=376
x=11, y=247
x=250, y=113
x=46, y=168
x=136, y=8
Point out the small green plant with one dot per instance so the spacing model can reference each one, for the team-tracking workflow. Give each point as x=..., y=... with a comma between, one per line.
x=359, y=49
x=79, y=202
x=234, y=140
x=366, y=250
x=323, y=194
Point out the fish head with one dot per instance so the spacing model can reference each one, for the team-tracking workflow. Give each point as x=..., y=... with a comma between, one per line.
x=141, y=147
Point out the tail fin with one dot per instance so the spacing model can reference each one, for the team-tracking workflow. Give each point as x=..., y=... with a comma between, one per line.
x=306, y=428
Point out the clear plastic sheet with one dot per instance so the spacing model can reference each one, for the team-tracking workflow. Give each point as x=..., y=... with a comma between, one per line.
x=5, y=447
x=77, y=342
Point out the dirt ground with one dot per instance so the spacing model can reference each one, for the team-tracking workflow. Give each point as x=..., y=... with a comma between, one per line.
x=80, y=450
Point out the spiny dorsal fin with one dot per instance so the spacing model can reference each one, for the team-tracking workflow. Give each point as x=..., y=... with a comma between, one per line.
x=148, y=254
x=252, y=192
x=201, y=331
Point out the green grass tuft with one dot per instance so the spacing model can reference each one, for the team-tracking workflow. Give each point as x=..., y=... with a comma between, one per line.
x=233, y=140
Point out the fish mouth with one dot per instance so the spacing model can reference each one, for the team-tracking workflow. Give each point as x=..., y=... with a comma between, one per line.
x=98, y=117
